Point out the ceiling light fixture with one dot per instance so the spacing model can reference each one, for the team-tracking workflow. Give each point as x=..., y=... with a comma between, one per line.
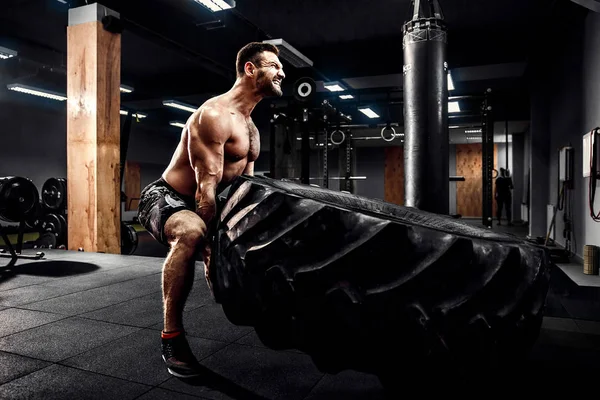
x=471, y=131
x=17, y=87
x=138, y=115
x=7, y=53
x=368, y=112
x=288, y=53
x=450, y=82
x=453, y=107
x=177, y=124
x=334, y=87
x=346, y=96
x=217, y=5
x=126, y=89
x=179, y=105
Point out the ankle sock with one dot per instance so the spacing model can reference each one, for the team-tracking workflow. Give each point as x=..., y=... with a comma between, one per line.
x=170, y=335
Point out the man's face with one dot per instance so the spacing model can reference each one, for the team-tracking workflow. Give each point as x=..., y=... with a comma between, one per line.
x=270, y=75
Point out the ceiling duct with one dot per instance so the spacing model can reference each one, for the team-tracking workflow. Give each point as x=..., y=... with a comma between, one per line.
x=290, y=54
x=593, y=5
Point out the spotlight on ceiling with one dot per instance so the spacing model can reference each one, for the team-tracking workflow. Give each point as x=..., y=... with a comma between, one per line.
x=290, y=54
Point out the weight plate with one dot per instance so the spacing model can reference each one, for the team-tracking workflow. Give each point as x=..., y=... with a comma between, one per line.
x=129, y=239
x=51, y=223
x=305, y=89
x=33, y=221
x=46, y=240
x=54, y=194
x=18, y=198
x=62, y=239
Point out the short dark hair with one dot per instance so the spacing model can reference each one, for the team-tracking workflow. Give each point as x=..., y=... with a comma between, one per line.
x=251, y=52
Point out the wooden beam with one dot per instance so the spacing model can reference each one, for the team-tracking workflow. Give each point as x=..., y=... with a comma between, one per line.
x=93, y=132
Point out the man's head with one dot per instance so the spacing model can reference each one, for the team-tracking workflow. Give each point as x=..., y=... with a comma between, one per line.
x=260, y=63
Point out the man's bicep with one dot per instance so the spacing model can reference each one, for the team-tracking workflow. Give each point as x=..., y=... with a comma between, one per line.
x=206, y=159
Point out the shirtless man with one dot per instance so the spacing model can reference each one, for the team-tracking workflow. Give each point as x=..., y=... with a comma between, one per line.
x=219, y=143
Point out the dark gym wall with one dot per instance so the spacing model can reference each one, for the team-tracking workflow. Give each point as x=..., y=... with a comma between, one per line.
x=571, y=110
x=34, y=141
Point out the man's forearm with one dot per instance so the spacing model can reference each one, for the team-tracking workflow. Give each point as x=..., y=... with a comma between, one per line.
x=206, y=205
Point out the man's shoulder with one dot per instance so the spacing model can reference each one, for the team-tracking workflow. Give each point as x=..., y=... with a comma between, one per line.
x=213, y=109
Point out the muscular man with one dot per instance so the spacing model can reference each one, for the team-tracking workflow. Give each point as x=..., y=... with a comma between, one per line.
x=219, y=143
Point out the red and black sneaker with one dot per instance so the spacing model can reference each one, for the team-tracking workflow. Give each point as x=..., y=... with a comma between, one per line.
x=178, y=356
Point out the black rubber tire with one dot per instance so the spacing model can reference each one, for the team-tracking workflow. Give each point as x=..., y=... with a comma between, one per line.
x=362, y=284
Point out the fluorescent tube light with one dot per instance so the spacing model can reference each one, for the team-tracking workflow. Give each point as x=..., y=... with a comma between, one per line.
x=216, y=5
x=17, y=87
x=368, y=112
x=450, y=82
x=179, y=105
x=453, y=107
x=288, y=53
x=470, y=131
x=177, y=124
x=136, y=115
x=334, y=87
x=346, y=96
x=126, y=89
x=7, y=53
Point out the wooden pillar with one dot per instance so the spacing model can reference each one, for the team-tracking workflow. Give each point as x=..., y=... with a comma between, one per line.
x=93, y=131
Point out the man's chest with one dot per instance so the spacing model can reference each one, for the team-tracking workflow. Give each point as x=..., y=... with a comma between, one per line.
x=244, y=142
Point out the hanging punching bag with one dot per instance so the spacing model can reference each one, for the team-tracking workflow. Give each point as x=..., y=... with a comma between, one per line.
x=426, y=183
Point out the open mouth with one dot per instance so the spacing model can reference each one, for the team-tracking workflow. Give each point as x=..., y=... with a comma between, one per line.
x=277, y=83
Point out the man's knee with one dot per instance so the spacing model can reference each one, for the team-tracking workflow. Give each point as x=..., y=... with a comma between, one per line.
x=185, y=228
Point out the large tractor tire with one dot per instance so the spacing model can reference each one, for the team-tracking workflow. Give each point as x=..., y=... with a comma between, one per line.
x=362, y=284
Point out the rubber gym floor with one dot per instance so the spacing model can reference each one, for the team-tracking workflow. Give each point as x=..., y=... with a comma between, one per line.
x=79, y=325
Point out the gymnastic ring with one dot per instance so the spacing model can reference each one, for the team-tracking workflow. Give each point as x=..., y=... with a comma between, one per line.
x=393, y=133
x=341, y=141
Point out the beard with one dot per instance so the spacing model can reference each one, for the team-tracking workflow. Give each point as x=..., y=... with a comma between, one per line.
x=266, y=86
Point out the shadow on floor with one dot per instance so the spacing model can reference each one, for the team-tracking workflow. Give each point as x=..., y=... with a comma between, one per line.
x=57, y=268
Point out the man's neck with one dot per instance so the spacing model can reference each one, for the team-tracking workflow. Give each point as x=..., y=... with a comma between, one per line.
x=244, y=97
